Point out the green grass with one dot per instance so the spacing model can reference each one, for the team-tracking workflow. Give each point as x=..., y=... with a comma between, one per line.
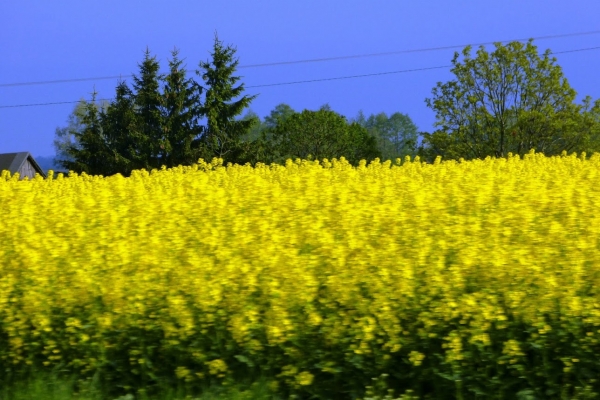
x=48, y=387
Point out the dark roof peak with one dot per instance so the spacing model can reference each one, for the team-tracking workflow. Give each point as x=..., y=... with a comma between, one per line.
x=15, y=162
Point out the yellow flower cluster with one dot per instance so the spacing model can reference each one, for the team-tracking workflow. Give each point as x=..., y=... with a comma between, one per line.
x=369, y=259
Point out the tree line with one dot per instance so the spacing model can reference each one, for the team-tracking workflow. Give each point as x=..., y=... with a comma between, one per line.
x=511, y=100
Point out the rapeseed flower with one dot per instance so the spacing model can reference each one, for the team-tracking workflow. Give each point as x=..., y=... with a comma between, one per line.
x=315, y=266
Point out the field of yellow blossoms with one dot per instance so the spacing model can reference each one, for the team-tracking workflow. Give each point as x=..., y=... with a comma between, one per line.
x=474, y=279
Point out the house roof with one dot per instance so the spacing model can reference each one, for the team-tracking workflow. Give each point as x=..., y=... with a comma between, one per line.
x=14, y=161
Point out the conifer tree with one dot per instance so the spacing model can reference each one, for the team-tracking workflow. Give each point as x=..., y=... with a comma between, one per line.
x=181, y=111
x=120, y=125
x=224, y=133
x=148, y=110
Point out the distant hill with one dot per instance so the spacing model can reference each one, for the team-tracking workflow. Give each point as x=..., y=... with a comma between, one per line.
x=47, y=163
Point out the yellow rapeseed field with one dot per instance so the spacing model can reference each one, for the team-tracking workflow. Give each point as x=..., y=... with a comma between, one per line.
x=308, y=269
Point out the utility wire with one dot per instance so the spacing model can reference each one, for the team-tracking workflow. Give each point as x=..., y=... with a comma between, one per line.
x=312, y=60
x=415, y=50
x=50, y=104
x=350, y=77
x=306, y=81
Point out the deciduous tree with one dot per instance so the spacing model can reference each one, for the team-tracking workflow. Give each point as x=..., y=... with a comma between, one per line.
x=320, y=134
x=279, y=114
x=396, y=135
x=89, y=152
x=509, y=100
x=66, y=136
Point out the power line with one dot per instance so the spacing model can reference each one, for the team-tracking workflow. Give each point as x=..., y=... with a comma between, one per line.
x=394, y=72
x=416, y=50
x=313, y=60
x=49, y=104
x=307, y=81
x=350, y=77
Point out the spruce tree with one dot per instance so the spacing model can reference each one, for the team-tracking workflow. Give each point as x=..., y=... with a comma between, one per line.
x=148, y=110
x=181, y=112
x=120, y=125
x=224, y=133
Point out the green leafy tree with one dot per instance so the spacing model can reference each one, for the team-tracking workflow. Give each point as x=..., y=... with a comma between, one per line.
x=279, y=114
x=89, y=152
x=403, y=134
x=224, y=132
x=360, y=118
x=320, y=134
x=258, y=141
x=510, y=100
x=66, y=137
x=589, y=125
x=362, y=145
x=396, y=135
x=256, y=129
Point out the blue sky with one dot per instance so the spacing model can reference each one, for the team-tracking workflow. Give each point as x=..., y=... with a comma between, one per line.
x=64, y=39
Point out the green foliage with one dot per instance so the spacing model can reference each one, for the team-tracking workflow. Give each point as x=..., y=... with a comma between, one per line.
x=508, y=101
x=66, y=137
x=124, y=136
x=53, y=386
x=317, y=135
x=224, y=132
x=396, y=135
x=148, y=110
x=181, y=143
x=279, y=114
x=257, y=128
x=120, y=122
x=89, y=152
x=255, y=138
x=157, y=122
